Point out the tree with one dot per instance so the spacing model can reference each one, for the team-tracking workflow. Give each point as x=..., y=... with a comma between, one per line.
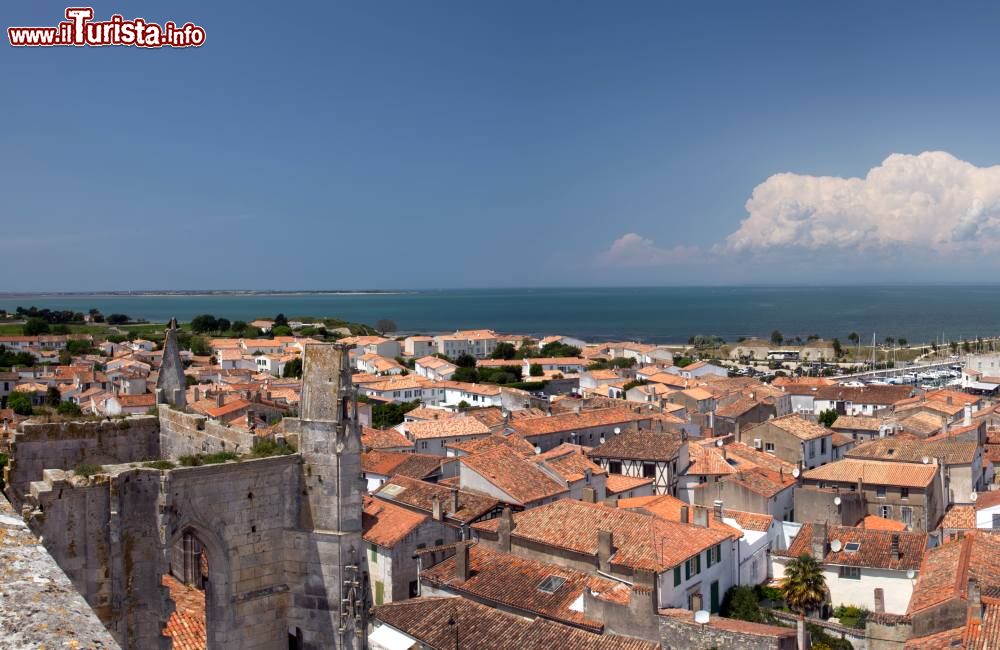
x=889, y=340
x=966, y=347
x=68, y=408
x=222, y=324
x=954, y=346
x=281, y=330
x=204, y=323
x=239, y=327
x=503, y=350
x=199, y=346
x=853, y=338
x=463, y=405
x=466, y=374
x=280, y=320
x=34, y=327
x=557, y=349
x=293, y=368
x=20, y=403
x=776, y=337
x=52, y=396
x=827, y=418
x=741, y=602
x=65, y=357
x=838, y=349
x=465, y=361
x=385, y=325
x=118, y=319
x=535, y=370
x=804, y=587
x=902, y=342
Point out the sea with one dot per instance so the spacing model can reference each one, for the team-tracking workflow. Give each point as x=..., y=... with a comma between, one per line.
x=918, y=313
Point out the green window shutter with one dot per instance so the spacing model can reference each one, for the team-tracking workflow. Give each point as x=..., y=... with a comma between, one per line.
x=687, y=570
x=697, y=564
x=677, y=575
x=718, y=553
x=379, y=592
x=708, y=558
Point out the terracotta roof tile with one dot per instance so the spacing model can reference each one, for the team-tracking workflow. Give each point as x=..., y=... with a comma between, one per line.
x=420, y=495
x=485, y=628
x=386, y=524
x=874, y=550
x=638, y=536
x=516, y=476
x=640, y=445
x=874, y=472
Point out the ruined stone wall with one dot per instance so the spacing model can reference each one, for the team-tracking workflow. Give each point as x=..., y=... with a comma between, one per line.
x=186, y=434
x=242, y=513
x=114, y=533
x=64, y=445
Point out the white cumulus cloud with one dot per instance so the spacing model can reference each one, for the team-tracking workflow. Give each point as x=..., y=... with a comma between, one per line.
x=635, y=251
x=931, y=201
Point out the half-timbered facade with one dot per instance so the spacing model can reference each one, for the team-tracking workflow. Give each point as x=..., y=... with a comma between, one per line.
x=645, y=454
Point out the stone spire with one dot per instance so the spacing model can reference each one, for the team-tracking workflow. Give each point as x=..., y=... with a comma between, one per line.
x=171, y=385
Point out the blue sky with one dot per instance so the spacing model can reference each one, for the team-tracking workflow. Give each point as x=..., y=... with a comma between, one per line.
x=461, y=144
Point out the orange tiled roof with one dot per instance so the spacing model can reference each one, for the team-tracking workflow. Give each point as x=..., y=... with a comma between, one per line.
x=386, y=524
x=874, y=549
x=874, y=472
x=514, y=475
x=637, y=536
x=617, y=483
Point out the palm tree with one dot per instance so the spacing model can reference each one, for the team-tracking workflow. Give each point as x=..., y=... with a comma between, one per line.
x=804, y=586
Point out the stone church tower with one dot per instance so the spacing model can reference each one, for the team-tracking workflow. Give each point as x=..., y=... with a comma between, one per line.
x=336, y=580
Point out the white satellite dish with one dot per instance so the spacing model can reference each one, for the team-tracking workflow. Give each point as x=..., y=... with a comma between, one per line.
x=796, y=472
x=973, y=497
x=701, y=617
x=835, y=546
x=618, y=430
x=602, y=440
x=911, y=574
x=718, y=443
x=538, y=450
x=926, y=460
x=837, y=501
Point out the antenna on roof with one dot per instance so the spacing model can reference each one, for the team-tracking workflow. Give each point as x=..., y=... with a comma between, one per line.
x=973, y=497
x=835, y=545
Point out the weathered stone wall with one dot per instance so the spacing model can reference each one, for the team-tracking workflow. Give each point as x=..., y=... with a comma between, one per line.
x=679, y=634
x=814, y=504
x=241, y=513
x=887, y=632
x=186, y=434
x=39, y=606
x=64, y=445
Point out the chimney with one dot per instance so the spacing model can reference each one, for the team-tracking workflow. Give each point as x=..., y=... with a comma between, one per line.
x=967, y=415
x=701, y=516
x=684, y=514
x=436, y=513
x=197, y=394
x=505, y=529
x=894, y=550
x=975, y=602
x=589, y=495
x=879, y=600
x=250, y=420
x=948, y=400
x=819, y=541
x=462, y=568
x=220, y=400
x=588, y=474
x=717, y=508
x=454, y=500
x=605, y=549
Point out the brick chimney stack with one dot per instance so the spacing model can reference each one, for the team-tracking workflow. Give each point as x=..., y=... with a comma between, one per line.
x=462, y=568
x=819, y=541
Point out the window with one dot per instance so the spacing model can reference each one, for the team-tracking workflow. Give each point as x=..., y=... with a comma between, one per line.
x=904, y=493
x=906, y=515
x=996, y=522
x=812, y=449
x=692, y=567
x=822, y=445
x=373, y=553
x=852, y=547
x=850, y=573
x=718, y=553
x=769, y=447
x=615, y=466
x=885, y=512
x=649, y=470
x=708, y=558
x=880, y=492
x=677, y=573
x=551, y=584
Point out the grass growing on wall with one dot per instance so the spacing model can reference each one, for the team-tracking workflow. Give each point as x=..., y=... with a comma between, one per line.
x=208, y=459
